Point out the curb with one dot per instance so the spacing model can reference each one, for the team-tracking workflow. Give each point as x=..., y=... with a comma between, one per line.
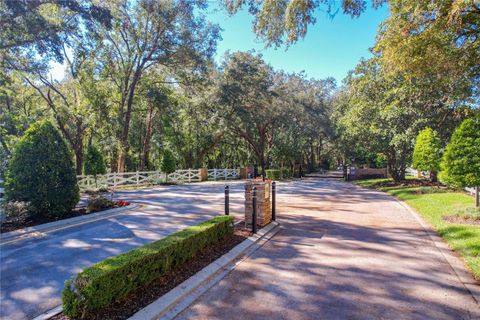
x=175, y=301
x=49, y=314
x=456, y=263
x=26, y=232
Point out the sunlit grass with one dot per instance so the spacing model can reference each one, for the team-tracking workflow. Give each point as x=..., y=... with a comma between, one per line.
x=464, y=239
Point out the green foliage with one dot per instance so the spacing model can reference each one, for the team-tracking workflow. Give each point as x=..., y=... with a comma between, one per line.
x=274, y=174
x=114, y=278
x=168, y=164
x=427, y=153
x=286, y=173
x=380, y=160
x=42, y=173
x=99, y=203
x=17, y=210
x=469, y=213
x=461, y=160
x=278, y=22
x=94, y=163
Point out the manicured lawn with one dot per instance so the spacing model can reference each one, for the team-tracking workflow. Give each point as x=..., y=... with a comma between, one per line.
x=464, y=239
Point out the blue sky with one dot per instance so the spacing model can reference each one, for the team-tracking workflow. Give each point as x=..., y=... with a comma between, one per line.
x=332, y=46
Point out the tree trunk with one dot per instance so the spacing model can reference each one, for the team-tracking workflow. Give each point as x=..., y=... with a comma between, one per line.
x=79, y=158
x=433, y=176
x=311, y=165
x=146, y=140
x=122, y=153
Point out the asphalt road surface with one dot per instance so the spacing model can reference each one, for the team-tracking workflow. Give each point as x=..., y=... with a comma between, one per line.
x=33, y=271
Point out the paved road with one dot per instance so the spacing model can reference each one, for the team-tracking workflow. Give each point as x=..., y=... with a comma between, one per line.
x=32, y=272
x=343, y=253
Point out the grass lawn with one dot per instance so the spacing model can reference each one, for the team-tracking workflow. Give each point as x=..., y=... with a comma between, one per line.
x=431, y=205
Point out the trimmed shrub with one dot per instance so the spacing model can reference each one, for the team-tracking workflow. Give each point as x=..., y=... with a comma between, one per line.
x=427, y=154
x=168, y=163
x=41, y=172
x=99, y=203
x=94, y=163
x=114, y=278
x=274, y=174
x=286, y=173
x=17, y=210
x=461, y=160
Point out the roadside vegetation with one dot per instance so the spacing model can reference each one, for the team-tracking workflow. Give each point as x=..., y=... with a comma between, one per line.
x=438, y=205
x=120, y=285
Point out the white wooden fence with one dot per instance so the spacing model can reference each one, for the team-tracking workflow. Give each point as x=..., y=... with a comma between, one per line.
x=152, y=177
x=223, y=174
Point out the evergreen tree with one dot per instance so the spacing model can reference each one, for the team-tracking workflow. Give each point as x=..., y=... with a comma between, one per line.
x=41, y=172
x=427, y=154
x=168, y=163
x=94, y=163
x=461, y=161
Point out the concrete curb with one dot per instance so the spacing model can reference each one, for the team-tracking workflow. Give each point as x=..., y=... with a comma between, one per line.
x=49, y=314
x=26, y=232
x=178, y=299
x=456, y=263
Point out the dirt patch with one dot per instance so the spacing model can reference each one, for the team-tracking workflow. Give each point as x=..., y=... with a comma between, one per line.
x=409, y=183
x=461, y=220
x=142, y=297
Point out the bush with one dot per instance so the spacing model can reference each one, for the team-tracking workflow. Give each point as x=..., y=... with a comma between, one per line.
x=286, y=173
x=278, y=174
x=274, y=174
x=427, y=154
x=94, y=163
x=168, y=163
x=114, y=278
x=461, y=161
x=99, y=203
x=41, y=172
x=469, y=213
x=17, y=210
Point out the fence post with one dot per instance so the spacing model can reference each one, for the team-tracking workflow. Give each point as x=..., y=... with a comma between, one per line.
x=227, y=200
x=114, y=179
x=225, y=173
x=254, y=211
x=477, y=197
x=189, y=179
x=215, y=174
x=137, y=178
x=274, y=192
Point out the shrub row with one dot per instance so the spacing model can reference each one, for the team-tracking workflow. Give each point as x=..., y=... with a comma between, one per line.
x=114, y=278
x=278, y=174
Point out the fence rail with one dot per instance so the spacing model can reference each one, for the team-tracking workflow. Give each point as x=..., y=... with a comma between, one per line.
x=223, y=174
x=115, y=179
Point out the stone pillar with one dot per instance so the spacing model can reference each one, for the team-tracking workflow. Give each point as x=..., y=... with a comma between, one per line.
x=203, y=174
x=264, y=206
x=244, y=173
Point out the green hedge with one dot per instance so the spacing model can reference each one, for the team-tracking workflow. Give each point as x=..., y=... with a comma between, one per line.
x=286, y=173
x=114, y=278
x=274, y=174
x=278, y=174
